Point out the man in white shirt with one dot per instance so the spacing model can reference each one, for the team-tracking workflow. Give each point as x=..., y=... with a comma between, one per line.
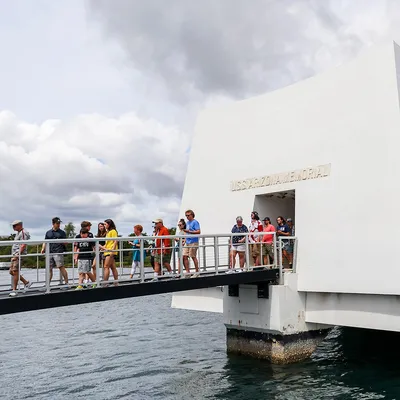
x=16, y=261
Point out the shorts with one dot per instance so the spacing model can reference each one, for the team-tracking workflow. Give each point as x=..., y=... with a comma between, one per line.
x=14, y=266
x=166, y=257
x=190, y=250
x=84, y=266
x=255, y=249
x=241, y=248
x=289, y=248
x=268, y=249
x=56, y=260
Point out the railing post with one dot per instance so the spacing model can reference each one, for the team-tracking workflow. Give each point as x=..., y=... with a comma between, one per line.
x=216, y=254
x=280, y=262
x=203, y=241
x=73, y=266
x=97, y=262
x=47, y=261
x=19, y=271
x=121, y=258
x=141, y=260
x=173, y=254
x=294, y=265
x=275, y=263
x=161, y=258
x=180, y=252
x=37, y=263
x=247, y=253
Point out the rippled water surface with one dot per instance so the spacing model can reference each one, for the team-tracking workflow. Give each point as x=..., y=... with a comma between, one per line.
x=142, y=349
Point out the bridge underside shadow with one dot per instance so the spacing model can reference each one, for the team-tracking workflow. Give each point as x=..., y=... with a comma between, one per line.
x=37, y=300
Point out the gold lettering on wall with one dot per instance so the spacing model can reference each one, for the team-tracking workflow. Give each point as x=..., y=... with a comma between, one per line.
x=321, y=171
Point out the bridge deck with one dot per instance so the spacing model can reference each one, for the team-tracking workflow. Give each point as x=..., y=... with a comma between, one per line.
x=36, y=299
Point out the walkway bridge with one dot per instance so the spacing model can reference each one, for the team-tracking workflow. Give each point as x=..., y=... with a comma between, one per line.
x=215, y=270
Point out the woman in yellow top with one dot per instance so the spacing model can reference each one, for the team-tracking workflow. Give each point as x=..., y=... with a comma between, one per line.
x=109, y=254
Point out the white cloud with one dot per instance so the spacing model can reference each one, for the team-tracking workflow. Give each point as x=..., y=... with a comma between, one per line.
x=90, y=167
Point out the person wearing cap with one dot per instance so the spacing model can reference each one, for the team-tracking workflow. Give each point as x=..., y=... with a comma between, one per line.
x=16, y=261
x=57, y=248
x=254, y=227
x=162, y=249
x=238, y=246
x=268, y=241
x=290, y=247
x=191, y=243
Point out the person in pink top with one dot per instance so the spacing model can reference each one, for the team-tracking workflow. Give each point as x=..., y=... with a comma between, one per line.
x=268, y=241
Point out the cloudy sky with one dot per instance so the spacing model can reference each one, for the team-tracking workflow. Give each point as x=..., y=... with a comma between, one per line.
x=98, y=98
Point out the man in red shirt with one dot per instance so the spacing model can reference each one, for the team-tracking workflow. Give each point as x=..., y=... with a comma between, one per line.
x=268, y=241
x=162, y=252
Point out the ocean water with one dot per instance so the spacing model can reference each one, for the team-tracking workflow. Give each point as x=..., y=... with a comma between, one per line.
x=142, y=349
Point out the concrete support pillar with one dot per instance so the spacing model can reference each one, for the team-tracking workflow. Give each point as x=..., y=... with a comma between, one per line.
x=268, y=322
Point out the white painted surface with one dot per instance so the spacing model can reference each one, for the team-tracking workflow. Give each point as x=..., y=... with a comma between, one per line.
x=355, y=310
x=283, y=312
x=200, y=300
x=347, y=117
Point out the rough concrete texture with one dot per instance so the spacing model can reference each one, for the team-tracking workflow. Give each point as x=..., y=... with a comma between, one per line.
x=278, y=349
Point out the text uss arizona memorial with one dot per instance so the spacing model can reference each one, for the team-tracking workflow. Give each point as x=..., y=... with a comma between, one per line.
x=298, y=175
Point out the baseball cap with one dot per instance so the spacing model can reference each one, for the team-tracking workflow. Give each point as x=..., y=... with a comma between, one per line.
x=56, y=220
x=85, y=224
x=239, y=218
x=267, y=219
x=289, y=220
x=16, y=222
x=157, y=220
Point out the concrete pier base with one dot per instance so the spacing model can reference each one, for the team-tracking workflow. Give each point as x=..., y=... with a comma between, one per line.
x=276, y=348
x=269, y=322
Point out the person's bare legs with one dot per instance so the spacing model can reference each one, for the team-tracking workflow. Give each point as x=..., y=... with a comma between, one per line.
x=157, y=268
x=168, y=266
x=196, y=263
x=64, y=274
x=241, y=259
x=106, y=268
x=233, y=259
x=186, y=263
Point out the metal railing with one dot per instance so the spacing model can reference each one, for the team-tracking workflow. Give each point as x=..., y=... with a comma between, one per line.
x=215, y=254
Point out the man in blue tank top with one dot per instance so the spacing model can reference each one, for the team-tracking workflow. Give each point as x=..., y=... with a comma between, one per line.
x=191, y=243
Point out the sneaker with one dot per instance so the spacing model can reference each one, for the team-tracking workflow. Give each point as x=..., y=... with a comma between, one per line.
x=79, y=287
x=230, y=271
x=27, y=286
x=154, y=279
x=85, y=281
x=13, y=293
x=94, y=286
x=239, y=270
x=186, y=274
x=196, y=275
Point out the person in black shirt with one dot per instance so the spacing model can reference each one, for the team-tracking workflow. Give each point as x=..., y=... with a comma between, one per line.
x=84, y=258
x=57, y=248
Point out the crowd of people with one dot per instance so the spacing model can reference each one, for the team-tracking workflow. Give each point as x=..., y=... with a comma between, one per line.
x=160, y=251
x=185, y=243
x=261, y=241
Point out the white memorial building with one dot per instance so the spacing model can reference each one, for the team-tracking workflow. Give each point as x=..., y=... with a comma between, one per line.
x=325, y=152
